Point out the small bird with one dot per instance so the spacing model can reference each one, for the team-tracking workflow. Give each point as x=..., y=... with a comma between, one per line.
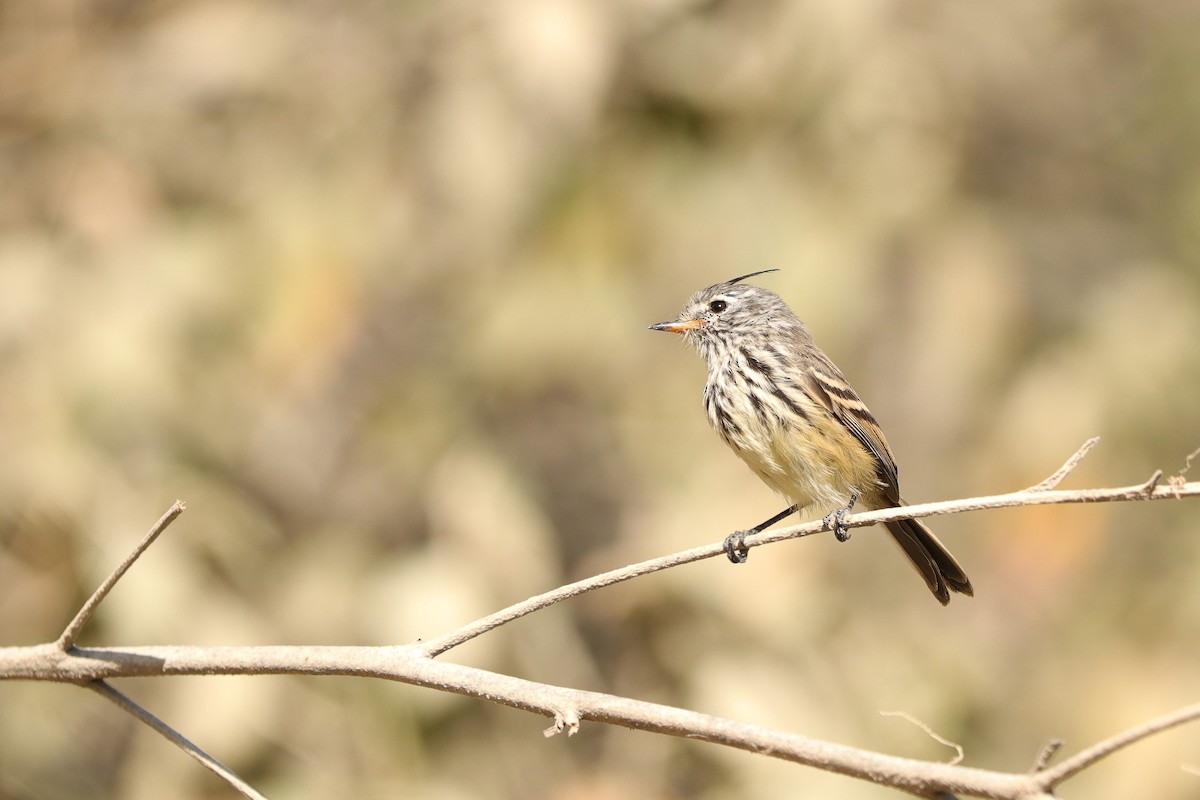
x=778, y=401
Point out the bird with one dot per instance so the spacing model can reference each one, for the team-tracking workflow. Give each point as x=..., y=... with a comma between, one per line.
x=789, y=413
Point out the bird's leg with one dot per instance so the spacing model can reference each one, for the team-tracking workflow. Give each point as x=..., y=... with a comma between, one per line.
x=836, y=520
x=735, y=543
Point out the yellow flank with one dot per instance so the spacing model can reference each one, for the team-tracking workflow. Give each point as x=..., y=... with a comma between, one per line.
x=807, y=467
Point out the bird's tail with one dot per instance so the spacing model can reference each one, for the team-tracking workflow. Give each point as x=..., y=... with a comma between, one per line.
x=941, y=572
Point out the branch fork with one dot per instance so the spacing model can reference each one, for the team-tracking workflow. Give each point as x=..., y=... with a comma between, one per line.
x=417, y=664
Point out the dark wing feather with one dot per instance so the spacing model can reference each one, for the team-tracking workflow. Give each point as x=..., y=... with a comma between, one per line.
x=829, y=387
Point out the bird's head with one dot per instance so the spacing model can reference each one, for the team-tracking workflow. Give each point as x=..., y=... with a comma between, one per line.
x=715, y=318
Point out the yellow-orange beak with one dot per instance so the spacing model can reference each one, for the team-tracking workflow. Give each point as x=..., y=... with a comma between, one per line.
x=678, y=327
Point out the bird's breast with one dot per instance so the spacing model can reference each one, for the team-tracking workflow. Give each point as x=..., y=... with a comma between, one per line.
x=792, y=443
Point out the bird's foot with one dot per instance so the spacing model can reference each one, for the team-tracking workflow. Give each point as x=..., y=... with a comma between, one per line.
x=836, y=520
x=735, y=547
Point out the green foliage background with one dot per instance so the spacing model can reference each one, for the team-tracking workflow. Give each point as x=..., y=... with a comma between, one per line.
x=368, y=283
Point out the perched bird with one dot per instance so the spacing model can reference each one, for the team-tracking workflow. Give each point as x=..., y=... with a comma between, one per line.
x=778, y=401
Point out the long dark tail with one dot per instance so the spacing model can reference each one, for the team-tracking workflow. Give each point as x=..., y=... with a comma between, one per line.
x=941, y=572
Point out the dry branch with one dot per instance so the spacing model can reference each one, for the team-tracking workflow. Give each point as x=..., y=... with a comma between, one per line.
x=1035, y=496
x=407, y=664
x=70, y=634
x=415, y=664
x=126, y=703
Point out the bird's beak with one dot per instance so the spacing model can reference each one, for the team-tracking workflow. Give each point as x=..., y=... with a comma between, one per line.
x=678, y=326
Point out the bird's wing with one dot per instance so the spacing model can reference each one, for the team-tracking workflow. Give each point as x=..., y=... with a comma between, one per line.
x=829, y=387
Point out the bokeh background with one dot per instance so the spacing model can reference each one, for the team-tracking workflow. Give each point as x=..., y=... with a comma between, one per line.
x=367, y=284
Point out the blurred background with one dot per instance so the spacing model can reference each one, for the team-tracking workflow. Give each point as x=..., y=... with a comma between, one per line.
x=367, y=285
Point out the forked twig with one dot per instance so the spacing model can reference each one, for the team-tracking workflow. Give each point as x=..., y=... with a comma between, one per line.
x=1148, y=490
x=71, y=633
x=1080, y=761
x=415, y=664
x=1054, y=480
x=568, y=707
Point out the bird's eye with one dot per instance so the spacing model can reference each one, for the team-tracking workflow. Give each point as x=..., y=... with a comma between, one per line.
x=717, y=306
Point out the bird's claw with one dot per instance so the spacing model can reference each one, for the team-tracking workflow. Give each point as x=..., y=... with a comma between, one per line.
x=836, y=521
x=735, y=547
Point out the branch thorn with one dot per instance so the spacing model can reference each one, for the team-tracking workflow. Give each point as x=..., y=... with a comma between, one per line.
x=1046, y=755
x=566, y=719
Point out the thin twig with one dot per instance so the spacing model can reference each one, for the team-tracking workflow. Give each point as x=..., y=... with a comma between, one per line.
x=69, y=635
x=1178, y=478
x=439, y=645
x=1187, y=462
x=904, y=715
x=1046, y=755
x=1054, y=480
x=109, y=692
x=1141, y=491
x=1050, y=778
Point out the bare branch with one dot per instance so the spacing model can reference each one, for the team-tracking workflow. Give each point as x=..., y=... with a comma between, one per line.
x=566, y=706
x=109, y=692
x=1141, y=491
x=439, y=645
x=1054, y=480
x=415, y=664
x=69, y=636
x=1081, y=761
x=1025, y=497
